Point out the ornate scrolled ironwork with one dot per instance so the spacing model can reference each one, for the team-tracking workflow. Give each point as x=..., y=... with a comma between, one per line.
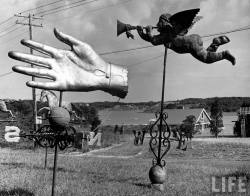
x=47, y=136
x=159, y=142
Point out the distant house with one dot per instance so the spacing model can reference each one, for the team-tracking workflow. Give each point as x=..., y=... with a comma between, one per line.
x=242, y=125
x=176, y=117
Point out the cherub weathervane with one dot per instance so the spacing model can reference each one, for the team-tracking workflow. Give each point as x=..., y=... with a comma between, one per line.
x=172, y=33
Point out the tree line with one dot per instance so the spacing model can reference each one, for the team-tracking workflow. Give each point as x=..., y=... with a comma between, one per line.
x=23, y=110
x=227, y=104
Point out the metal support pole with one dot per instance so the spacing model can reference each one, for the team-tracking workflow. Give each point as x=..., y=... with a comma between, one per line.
x=55, y=154
x=46, y=157
x=159, y=140
x=60, y=98
x=54, y=169
x=29, y=23
x=33, y=79
x=161, y=111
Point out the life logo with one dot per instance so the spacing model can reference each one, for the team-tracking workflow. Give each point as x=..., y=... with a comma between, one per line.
x=12, y=134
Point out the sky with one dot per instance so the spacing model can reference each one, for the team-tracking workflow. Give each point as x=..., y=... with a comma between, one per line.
x=95, y=24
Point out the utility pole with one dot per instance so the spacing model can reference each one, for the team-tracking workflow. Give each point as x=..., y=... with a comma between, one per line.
x=30, y=18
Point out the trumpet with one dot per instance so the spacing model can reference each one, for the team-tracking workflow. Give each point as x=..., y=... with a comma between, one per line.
x=122, y=28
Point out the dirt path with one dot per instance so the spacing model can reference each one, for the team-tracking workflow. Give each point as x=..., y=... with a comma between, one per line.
x=107, y=156
x=92, y=153
x=224, y=140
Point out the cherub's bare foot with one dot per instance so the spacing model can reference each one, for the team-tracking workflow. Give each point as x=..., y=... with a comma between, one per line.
x=229, y=57
x=221, y=40
x=218, y=41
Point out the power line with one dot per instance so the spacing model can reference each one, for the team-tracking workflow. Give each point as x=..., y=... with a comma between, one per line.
x=227, y=32
x=111, y=5
x=5, y=74
x=14, y=37
x=90, y=11
x=8, y=28
x=41, y=6
x=146, y=60
x=65, y=7
x=144, y=47
x=1, y=23
x=3, y=33
x=126, y=50
x=7, y=33
x=69, y=8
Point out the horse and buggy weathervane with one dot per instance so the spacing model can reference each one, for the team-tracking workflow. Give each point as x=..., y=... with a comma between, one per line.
x=57, y=134
x=82, y=69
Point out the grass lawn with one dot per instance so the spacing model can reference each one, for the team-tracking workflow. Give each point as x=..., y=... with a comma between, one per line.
x=188, y=172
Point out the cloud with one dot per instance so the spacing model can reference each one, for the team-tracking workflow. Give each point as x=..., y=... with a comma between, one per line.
x=11, y=7
x=138, y=11
x=95, y=23
x=223, y=14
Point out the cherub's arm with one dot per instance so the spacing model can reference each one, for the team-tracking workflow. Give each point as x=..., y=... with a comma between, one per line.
x=162, y=38
x=145, y=36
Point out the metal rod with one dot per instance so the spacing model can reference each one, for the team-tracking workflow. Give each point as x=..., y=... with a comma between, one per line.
x=162, y=103
x=46, y=156
x=8, y=120
x=130, y=27
x=33, y=79
x=29, y=23
x=33, y=17
x=55, y=154
x=60, y=98
x=54, y=170
x=34, y=135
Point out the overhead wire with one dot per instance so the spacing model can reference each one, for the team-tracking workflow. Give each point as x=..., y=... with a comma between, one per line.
x=90, y=11
x=125, y=50
x=9, y=27
x=5, y=74
x=6, y=33
x=41, y=6
x=146, y=60
x=13, y=38
x=5, y=21
x=227, y=32
x=108, y=6
x=65, y=7
x=150, y=46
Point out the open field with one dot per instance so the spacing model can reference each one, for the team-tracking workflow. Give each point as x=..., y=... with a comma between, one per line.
x=123, y=170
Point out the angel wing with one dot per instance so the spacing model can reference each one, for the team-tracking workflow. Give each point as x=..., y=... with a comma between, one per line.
x=184, y=20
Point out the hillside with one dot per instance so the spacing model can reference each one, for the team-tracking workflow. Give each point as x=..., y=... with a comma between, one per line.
x=229, y=104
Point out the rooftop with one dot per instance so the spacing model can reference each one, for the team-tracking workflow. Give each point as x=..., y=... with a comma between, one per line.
x=175, y=116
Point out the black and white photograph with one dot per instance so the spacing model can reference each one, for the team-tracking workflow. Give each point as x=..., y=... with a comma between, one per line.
x=125, y=98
